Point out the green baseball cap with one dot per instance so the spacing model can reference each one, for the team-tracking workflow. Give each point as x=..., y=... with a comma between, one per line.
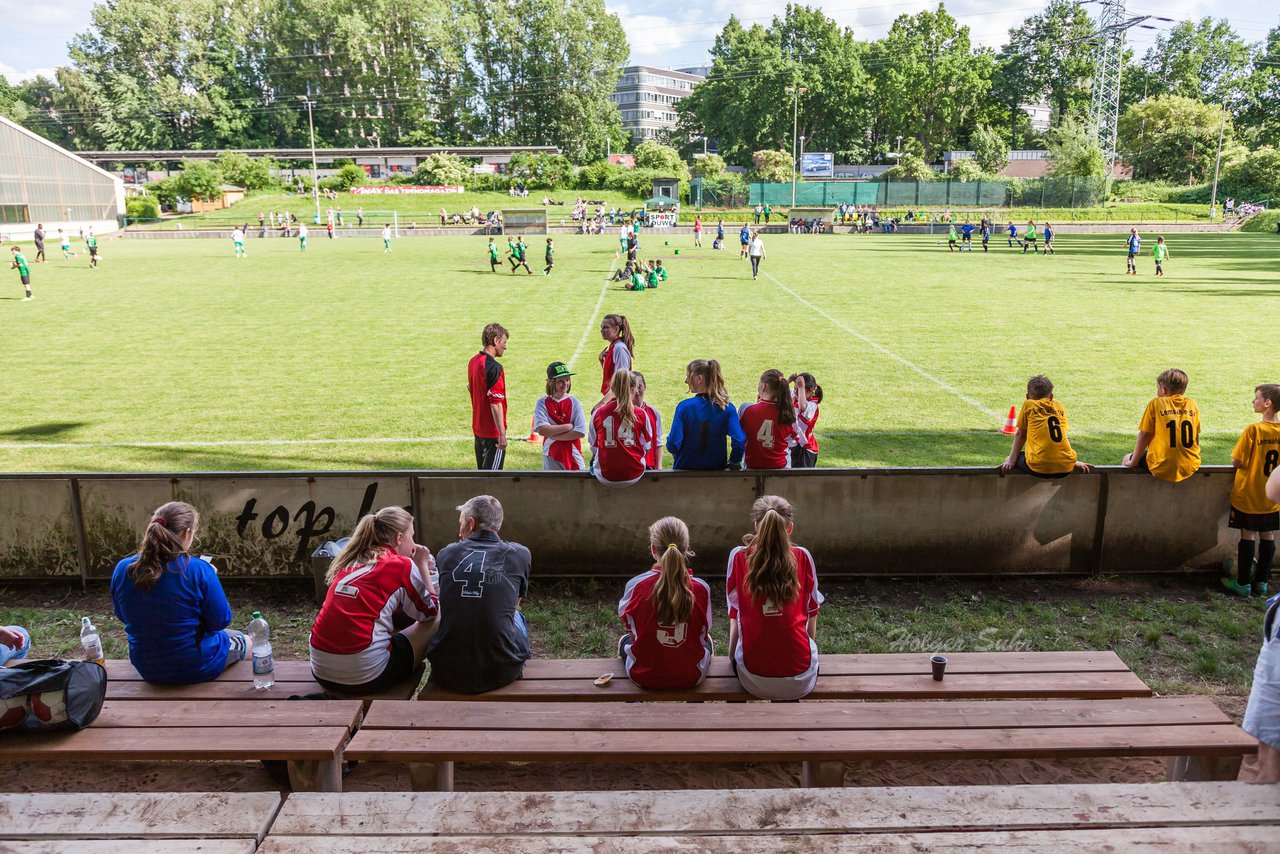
x=556, y=370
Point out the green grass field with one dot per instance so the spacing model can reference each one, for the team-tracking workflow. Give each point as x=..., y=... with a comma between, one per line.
x=173, y=355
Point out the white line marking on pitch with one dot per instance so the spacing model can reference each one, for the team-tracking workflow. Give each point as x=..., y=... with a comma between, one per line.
x=886, y=351
x=591, y=323
x=232, y=443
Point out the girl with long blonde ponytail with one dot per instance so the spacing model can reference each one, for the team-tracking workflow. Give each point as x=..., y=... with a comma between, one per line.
x=667, y=613
x=772, y=588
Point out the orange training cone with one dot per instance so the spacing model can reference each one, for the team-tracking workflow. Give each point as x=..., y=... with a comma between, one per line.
x=534, y=436
x=1011, y=423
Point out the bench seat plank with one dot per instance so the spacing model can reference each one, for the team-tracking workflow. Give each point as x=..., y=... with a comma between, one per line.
x=978, y=686
x=792, y=716
x=776, y=811
x=153, y=815
x=227, y=713
x=225, y=690
x=785, y=746
x=185, y=743
x=1209, y=839
x=135, y=846
x=290, y=670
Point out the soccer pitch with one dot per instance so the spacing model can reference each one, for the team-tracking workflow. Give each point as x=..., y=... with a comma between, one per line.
x=174, y=355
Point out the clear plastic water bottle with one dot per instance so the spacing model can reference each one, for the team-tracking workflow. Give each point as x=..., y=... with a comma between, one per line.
x=264, y=666
x=90, y=642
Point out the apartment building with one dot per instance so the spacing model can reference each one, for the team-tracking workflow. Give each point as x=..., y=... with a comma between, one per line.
x=646, y=98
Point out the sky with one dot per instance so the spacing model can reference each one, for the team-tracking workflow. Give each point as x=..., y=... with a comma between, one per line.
x=664, y=33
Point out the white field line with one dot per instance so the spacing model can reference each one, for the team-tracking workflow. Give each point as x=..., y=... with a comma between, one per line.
x=235, y=443
x=591, y=322
x=942, y=384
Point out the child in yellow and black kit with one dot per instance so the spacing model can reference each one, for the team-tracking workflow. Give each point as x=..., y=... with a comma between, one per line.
x=1168, y=444
x=1255, y=457
x=1042, y=431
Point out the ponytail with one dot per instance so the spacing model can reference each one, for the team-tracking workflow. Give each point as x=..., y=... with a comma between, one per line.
x=811, y=387
x=712, y=380
x=622, y=387
x=776, y=383
x=672, y=596
x=162, y=542
x=771, y=564
x=624, y=330
x=374, y=533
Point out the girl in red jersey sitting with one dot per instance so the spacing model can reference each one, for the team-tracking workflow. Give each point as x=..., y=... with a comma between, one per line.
x=621, y=434
x=381, y=571
x=770, y=424
x=808, y=398
x=619, y=347
x=667, y=613
x=653, y=459
x=773, y=598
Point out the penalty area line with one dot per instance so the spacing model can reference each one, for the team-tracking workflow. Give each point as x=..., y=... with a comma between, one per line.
x=880, y=348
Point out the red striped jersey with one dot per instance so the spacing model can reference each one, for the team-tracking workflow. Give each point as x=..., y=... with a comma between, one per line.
x=774, y=638
x=616, y=358
x=808, y=415
x=620, y=449
x=487, y=384
x=769, y=442
x=666, y=657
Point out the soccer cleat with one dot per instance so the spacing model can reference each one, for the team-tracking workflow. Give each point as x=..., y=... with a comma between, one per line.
x=1260, y=589
x=26, y=299
x=1232, y=587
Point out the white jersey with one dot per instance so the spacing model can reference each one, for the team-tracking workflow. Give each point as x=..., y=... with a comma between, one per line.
x=386, y=232
x=237, y=236
x=578, y=418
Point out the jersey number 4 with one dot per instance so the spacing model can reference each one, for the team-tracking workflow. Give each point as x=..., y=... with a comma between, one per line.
x=765, y=434
x=471, y=575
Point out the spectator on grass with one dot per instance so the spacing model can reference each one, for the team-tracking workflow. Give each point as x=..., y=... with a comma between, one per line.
x=772, y=590
x=172, y=604
x=1042, y=431
x=1168, y=444
x=703, y=423
x=667, y=614
x=15, y=642
x=483, y=641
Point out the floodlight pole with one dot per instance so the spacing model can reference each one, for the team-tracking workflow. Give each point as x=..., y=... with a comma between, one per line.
x=795, y=92
x=315, y=172
x=1213, y=199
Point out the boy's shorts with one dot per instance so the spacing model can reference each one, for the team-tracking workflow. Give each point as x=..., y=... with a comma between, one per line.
x=1261, y=522
x=1159, y=267
x=1022, y=465
x=26, y=280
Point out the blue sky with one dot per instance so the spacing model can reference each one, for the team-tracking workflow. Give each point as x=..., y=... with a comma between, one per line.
x=665, y=33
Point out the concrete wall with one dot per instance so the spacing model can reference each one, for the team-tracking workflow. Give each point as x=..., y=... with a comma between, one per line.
x=961, y=521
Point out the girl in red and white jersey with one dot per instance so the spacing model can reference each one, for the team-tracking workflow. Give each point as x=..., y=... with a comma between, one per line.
x=621, y=435
x=616, y=356
x=667, y=613
x=379, y=573
x=772, y=589
x=808, y=398
x=653, y=459
x=559, y=419
x=770, y=424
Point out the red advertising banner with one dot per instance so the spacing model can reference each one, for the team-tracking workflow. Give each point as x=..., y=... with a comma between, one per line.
x=410, y=190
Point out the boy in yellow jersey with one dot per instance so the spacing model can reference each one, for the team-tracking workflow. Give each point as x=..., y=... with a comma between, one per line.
x=1256, y=456
x=1042, y=430
x=1168, y=443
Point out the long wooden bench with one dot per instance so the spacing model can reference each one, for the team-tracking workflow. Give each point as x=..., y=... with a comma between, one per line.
x=891, y=676
x=235, y=683
x=1032, y=819
x=309, y=736
x=159, y=823
x=1201, y=740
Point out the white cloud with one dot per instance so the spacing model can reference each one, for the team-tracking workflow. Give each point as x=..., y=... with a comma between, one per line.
x=14, y=75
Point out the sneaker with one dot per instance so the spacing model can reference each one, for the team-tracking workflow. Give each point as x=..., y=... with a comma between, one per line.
x=1232, y=587
x=622, y=645
x=1260, y=589
x=26, y=299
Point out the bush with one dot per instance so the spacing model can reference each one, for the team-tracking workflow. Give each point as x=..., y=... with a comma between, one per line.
x=966, y=170
x=141, y=208
x=661, y=158
x=599, y=175
x=911, y=168
x=540, y=171
x=349, y=175
x=771, y=166
x=165, y=191
x=199, y=179
x=248, y=172
x=639, y=182
x=710, y=166
x=1256, y=178
x=442, y=170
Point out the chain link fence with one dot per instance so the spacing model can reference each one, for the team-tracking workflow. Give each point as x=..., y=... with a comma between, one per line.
x=1034, y=192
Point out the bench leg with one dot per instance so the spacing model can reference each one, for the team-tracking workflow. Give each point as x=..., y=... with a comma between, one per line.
x=822, y=775
x=431, y=776
x=1194, y=769
x=316, y=776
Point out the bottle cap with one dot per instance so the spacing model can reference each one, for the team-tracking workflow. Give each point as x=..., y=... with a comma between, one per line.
x=84, y=620
x=257, y=615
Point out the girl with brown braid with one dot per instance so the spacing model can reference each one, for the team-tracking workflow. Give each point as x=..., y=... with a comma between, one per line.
x=172, y=604
x=772, y=589
x=667, y=613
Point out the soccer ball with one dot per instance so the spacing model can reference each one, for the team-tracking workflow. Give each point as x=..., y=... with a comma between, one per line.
x=49, y=708
x=13, y=711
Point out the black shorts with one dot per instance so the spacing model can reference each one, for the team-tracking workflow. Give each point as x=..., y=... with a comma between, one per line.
x=93, y=252
x=399, y=668
x=1021, y=465
x=1262, y=522
x=1141, y=463
x=26, y=280
x=803, y=458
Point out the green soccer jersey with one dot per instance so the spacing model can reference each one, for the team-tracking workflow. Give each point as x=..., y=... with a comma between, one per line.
x=1160, y=252
x=662, y=273
x=951, y=233
x=493, y=252
x=637, y=282
x=91, y=242
x=653, y=279
x=21, y=261
x=520, y=247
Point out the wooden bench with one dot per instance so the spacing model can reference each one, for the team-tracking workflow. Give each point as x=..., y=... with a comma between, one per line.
x=894, y=676
x=309, y=736
x=236, y=683
x=1202, y=740
x=1032, y=819
x=163, y=823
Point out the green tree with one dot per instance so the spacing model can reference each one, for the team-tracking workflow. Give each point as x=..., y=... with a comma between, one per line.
x=659, y=157
x=545, y=171
x=1259, y=116
x=1050, y=56
x=442, y=170
x=1204, y=59
x=1256, y=177
x=771, y=166
x=252, y=173
x=708, y=166
x=199, y=179
x=990, y=151
x=12, y=105
x=1074, y=151
x=1171, y=137
x=966, y=170
x=930, y=82
x=753, y=66
x=911, y=167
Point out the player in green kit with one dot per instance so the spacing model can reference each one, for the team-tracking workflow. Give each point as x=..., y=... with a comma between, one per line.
x=522, y=249
x=1160, y=252
x=24, y=271
x=302, y=237
x=91, y=243
x=493, y=256
x=513, y=254
x=549, y=258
